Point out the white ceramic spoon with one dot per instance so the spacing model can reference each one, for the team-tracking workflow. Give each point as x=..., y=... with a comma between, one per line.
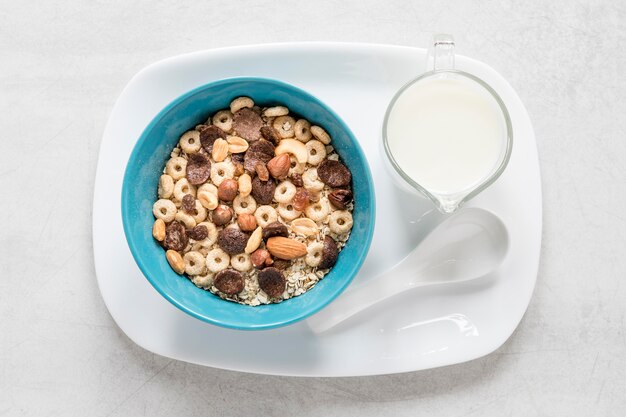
x=465, y=246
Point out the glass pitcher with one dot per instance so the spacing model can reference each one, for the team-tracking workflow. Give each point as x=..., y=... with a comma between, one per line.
x=449, y=130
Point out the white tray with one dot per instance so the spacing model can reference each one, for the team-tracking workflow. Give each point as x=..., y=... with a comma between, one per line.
x=420, y=330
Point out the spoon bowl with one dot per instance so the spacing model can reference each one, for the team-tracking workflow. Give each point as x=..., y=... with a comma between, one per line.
x=465, y=246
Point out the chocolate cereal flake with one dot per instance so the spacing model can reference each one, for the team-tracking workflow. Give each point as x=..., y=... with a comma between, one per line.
x=188, y=203
x=330, y=253
x=176, y=236
x=209, y=135
x=247, y=124
x=198, y=168
x=260, y=151
x=272, y=281
x=200, y=232
x=229, y=281
x=263, y=191
x=232, y=240
x=334, y=173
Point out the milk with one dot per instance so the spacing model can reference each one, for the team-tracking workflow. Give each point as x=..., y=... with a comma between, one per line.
x=447, y=134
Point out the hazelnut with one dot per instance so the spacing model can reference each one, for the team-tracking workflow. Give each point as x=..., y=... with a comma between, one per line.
x=246, y=222
x=222, y=215
x=261, y=258
x=279, y=166
x=227, y=191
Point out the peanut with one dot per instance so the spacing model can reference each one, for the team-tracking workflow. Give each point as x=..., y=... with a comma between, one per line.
x=176, y=261
x=220, y=150
x=245, y=185
x=158, y=230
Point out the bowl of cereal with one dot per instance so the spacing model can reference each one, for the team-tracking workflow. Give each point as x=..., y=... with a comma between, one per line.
x=248, y=203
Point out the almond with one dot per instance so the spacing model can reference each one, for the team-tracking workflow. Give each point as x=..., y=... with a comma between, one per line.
x=254, y=241
x=220, y=150
x=237, y=144
x=304, y=226
x=279, y=166
x=285, y=248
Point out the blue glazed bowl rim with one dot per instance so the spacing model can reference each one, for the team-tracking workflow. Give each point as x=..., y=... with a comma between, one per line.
x=141, y=263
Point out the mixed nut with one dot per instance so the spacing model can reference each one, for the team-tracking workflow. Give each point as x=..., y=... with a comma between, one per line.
x=254, y=205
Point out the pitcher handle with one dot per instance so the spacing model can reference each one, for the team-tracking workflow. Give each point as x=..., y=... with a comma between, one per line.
x=441, y=53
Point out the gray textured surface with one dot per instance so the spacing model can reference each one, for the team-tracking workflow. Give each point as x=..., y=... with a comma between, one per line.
x=62, y=65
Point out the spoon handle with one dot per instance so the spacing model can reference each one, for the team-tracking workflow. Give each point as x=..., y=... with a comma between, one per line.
x=358, y=299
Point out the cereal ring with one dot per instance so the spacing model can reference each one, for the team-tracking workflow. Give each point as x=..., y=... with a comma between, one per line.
x=241, y=102
x=194, y=263
x=320, y=134
x=186, y=219
x=316, y=152
x=340, y=221
x=287, y=212
x=220, y=171
x=182, y=188
x=314, y=254
x=217, y=260
x=276, y=111
x=190, y=141
x=265, y=215
x=295, y=167
x=166, y=186
x=176, y=167
x=285, y=191
x=224, y=120
x=241, y=262
x=164, y=209
x=244, y=204
x=199, y=213
x=311, y=181
x=203, y=281
x=303, y=130
x=318, y=211
x=284, y=125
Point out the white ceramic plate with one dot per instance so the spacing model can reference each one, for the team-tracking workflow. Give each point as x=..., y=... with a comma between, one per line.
x=418, y=330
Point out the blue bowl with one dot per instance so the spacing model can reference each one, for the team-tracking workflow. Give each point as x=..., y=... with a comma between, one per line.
x=139, y=193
